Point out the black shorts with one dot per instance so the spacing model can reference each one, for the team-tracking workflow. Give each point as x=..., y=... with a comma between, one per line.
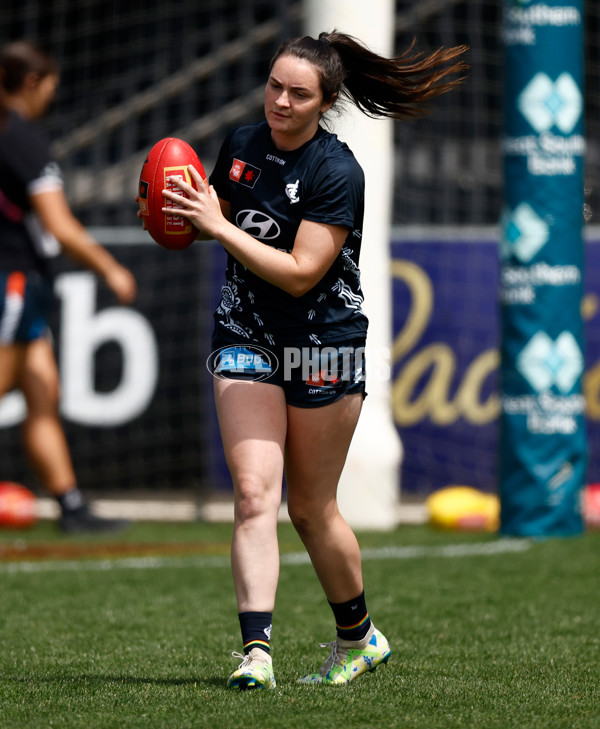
x=310, y=376
x=24, y=303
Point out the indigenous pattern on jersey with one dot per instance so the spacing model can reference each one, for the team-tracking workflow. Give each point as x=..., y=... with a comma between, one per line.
x=26, y=168
x=271, y=192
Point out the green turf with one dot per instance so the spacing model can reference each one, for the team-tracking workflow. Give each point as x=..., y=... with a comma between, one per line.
x=478, y=640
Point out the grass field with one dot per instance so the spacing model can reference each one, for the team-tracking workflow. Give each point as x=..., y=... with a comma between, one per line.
x=484, y=633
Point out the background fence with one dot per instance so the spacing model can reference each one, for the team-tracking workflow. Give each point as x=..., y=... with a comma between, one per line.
x=133, y=73
x=136, y=72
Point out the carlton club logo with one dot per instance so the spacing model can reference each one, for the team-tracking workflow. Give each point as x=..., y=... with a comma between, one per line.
x=546, y=103
x=545, y=362
x=292, y=191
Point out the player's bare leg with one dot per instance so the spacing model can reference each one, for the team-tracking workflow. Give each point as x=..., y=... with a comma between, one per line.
x=43, y=434
x=317, y=444
x=44, y=438
x=252, y=417
x=318, y=441
x=11, y=357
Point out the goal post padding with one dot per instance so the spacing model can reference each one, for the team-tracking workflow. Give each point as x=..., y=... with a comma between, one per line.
x=542, y=427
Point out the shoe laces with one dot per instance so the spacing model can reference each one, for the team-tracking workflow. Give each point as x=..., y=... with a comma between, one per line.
x=260, y=658
x=245, y=659
x=334, y=658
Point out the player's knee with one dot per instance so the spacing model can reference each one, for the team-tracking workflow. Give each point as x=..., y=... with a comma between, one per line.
x=305, y=516
x=42, y=395
x=299, y=521
x=53, y=391
x=253, y=499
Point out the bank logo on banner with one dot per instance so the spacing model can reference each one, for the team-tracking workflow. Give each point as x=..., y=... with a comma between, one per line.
x=544, y=362
x=545, y=103
x=525, y=233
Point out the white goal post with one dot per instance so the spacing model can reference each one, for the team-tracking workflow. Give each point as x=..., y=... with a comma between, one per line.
x=370, y=487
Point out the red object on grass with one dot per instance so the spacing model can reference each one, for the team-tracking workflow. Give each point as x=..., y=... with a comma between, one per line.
x=591, y=505
x=18, y=507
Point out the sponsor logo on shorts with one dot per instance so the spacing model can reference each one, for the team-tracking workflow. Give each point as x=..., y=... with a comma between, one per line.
x=322, y=379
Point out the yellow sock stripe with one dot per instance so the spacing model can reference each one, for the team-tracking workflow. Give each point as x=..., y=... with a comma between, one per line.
x=356, y=625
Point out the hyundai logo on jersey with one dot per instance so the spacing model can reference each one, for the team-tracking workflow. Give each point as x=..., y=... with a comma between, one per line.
x=257, y=224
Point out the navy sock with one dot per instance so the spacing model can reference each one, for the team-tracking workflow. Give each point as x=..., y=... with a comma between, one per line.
x=71, y=501
x=351, y=618
x=256, y=630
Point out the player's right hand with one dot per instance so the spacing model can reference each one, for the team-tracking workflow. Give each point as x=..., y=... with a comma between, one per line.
x=122, y=283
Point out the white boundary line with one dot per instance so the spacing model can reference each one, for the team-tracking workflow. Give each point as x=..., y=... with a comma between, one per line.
x=502, y=546
x=217, y=509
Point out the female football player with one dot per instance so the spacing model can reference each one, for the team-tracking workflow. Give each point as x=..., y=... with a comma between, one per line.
x=35, y=224
x=286, y=202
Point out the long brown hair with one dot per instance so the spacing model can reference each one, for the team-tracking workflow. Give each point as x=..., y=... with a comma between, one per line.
x=394, y=87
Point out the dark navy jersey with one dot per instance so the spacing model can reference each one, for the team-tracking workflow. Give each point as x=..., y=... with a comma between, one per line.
x=270, y=192
x=26, y=168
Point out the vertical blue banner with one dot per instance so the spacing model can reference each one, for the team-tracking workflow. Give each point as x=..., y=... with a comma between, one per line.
x=542, y=432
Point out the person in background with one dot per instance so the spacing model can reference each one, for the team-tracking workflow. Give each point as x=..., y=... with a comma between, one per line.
x=286, y=202
x=36, y=223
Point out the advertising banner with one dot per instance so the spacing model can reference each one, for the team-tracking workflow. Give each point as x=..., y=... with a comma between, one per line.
x=542, y=434
x=445, y=396
x=445, y=357
x=135, y=398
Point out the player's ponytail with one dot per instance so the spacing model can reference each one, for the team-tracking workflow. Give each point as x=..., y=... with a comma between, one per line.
x=380, y=87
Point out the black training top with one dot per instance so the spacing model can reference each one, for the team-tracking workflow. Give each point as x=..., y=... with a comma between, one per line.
x=271, y=191
x=26, y=168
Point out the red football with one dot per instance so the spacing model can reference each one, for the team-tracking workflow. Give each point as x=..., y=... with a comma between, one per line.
x=168, y=158
x=18, y=508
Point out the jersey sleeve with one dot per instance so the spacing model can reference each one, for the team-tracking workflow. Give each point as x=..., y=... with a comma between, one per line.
x=49, y=179
x=337, y=194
